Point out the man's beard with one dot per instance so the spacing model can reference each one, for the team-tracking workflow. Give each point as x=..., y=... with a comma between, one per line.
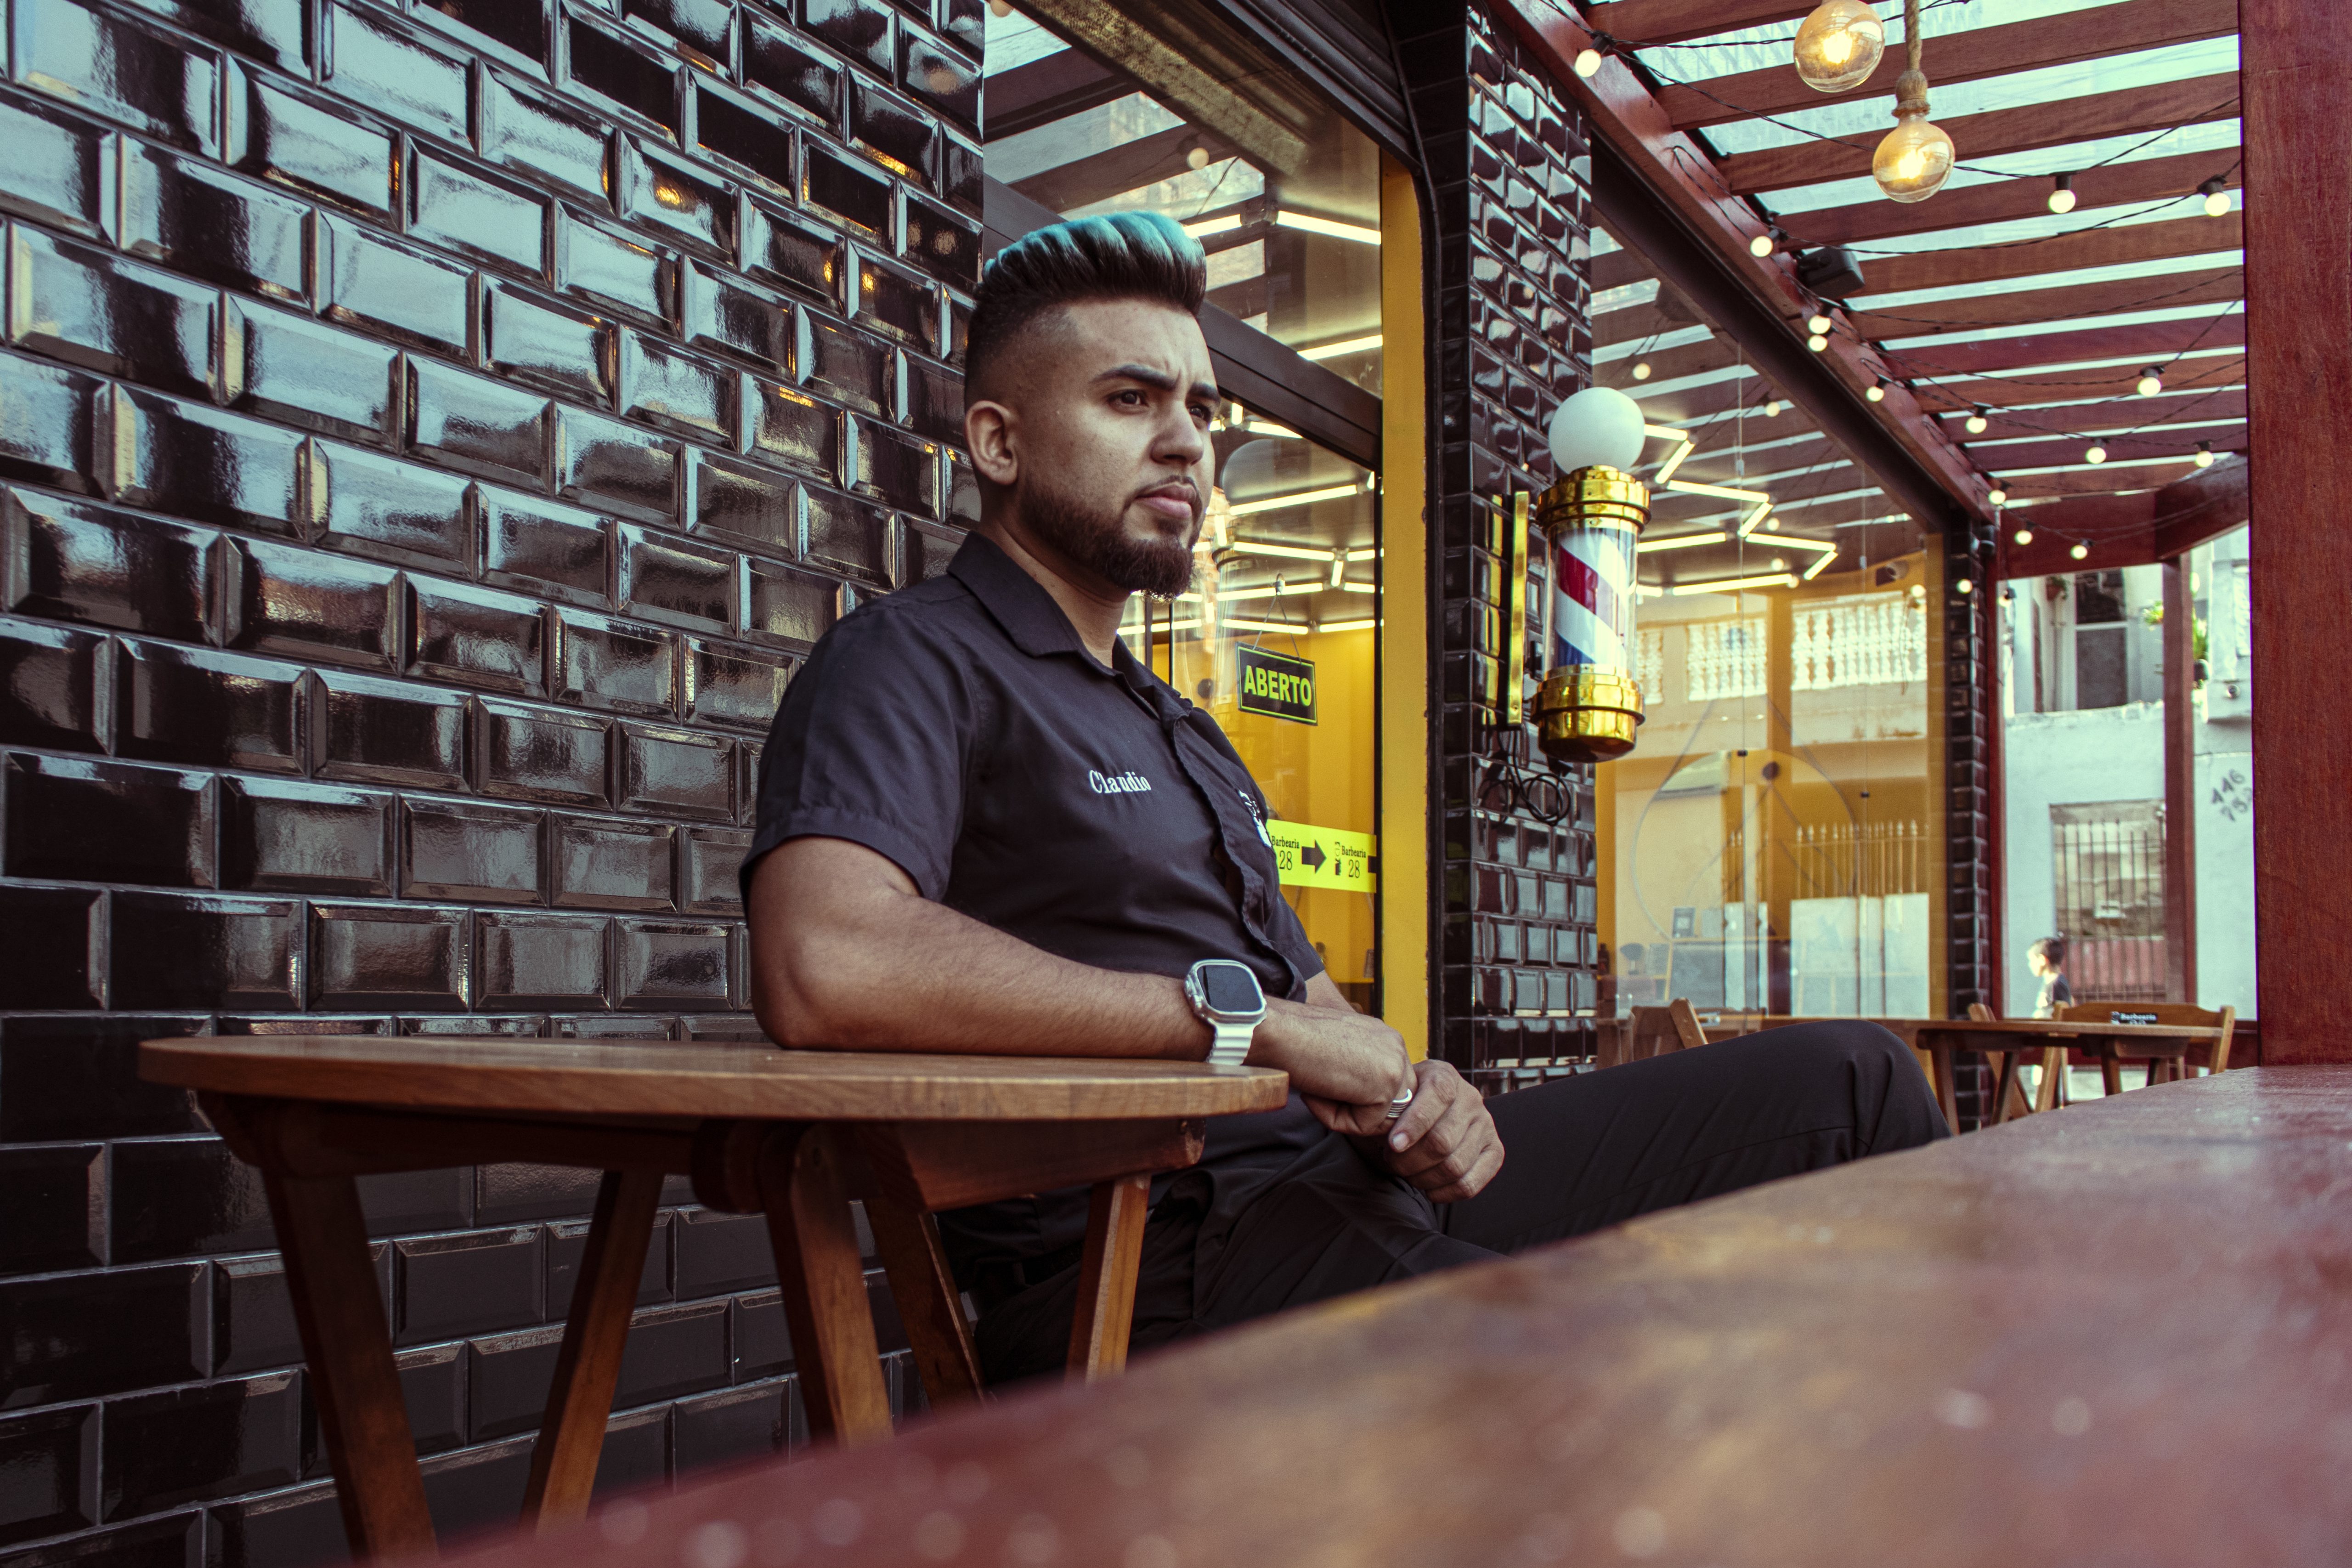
x=1097, y=540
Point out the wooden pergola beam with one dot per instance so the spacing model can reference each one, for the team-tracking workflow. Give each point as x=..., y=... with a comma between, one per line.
x=2155, y=340
x=1067, y=82
x=2297, y=60
x=2136, y=180
x=1922, y=470
x=2126, y=112
x=2126, y=530
x=2119, y=247
x=2004, y=457
x=2226, y=403
x=1973, y=313
x=2198, y=373
x=1981, y=52
x=2102, y=480
x=1676, y=21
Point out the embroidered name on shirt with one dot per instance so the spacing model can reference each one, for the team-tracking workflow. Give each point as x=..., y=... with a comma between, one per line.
x=1118, y=784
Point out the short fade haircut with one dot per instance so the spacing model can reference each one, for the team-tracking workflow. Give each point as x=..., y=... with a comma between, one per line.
x=1119, y=256
x=2050, y=950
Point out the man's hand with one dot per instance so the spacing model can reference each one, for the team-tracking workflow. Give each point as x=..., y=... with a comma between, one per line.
x=1444, y=1143
x=1335, y=1056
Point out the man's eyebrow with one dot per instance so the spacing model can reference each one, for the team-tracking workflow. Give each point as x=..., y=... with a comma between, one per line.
x=1159, y=381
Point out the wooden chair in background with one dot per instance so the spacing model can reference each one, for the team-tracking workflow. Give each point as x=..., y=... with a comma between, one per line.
x=1655, y=1031
x=2161, y=1069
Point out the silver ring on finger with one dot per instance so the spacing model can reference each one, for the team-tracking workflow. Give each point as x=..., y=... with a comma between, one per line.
x=1397, y=1108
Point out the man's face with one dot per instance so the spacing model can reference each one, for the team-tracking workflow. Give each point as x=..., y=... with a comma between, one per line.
x=1100, y=432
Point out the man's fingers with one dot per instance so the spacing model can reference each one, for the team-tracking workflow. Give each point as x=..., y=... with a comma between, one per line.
x=1430, y=1102
x=1456, y=1128
x=1489, y=1161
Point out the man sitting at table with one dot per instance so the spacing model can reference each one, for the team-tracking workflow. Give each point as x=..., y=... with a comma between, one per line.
x=984, y=826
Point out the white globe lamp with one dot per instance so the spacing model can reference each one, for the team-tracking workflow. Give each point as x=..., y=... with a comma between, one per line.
x=1598, y=426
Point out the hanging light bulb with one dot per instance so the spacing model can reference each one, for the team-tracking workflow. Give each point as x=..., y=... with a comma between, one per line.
x=1772, y=409
x=1817, y=324
x=2204, y=454
x=1817, y=343
x=1641, y=371
x=2022, y=536
x=1587, y=63
x=1761, y=245
x=2061, y=199
x=2151, y=382
x=1915, y=158
x=1839, y=45
x=1997, y=495
x=2095, y=454
x=2080, y=552
x=1977, y=421
x=1876, y=390
x=2217, y=197
x=1964, y=586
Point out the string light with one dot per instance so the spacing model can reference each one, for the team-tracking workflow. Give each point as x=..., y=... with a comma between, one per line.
x=2204, y=454
x=1817, y=343
x=2095, y=454
x=2151, y=382
x=2217, y=197
x=1997, y=495
x=1839, y=45
x=2022, y=536
x=1196, y=156
x=1915, y=158
x=1964, y=586
x=1641, y=371
x=1760, y=246
x=1977, y=421
x=1876, y=390
x=2061, y=199
x=1587, y=63
x=1818, y=323
x=1772, y=409
x=2080, y=552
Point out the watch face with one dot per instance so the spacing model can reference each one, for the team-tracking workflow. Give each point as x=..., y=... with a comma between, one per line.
x=1231, y=987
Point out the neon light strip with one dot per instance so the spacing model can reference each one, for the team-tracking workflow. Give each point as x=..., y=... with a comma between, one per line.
x=1209, y=226
x=1680, y=541
x=1693, y=488
x=1823, y=545
x=1749, y=523
x=1307, y=223
x=1344, y=346
x=1303, y=498
x=1734, y=584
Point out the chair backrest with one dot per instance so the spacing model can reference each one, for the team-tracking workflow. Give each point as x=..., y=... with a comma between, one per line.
x=1980, y=1014
x=2224, y=1022
x=1655, y=1031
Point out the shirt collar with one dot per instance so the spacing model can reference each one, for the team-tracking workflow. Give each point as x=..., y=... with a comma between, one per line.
x=1029, y=616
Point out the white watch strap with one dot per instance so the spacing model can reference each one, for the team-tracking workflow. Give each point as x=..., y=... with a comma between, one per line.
x=1229, y=1046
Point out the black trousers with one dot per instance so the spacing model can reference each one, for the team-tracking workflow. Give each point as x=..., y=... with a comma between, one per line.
x=1580, y=1154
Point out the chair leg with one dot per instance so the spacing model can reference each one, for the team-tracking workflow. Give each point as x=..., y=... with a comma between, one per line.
x=1114, y=1251
x=1947, y=1093
x=807, y=1197
x=571, y=1436
x=347, y=1341
x=2050, y=1093
x=2010, y=1098
x=908, y=1241
x=2111, y=1073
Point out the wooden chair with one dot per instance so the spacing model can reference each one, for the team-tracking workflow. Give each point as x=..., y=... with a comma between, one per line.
x=2009, y=1096
x=1655, y=1031
x=2164, y=1068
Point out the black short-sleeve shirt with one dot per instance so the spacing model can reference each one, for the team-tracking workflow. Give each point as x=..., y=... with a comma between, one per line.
x=960, y=729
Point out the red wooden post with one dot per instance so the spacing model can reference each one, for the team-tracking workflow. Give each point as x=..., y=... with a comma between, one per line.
x=2294, y=60
x=2179, y=783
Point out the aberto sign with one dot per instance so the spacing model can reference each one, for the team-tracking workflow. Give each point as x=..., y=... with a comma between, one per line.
x=1277, y=686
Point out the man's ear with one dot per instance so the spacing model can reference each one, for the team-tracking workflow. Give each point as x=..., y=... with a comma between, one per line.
x=991, y=431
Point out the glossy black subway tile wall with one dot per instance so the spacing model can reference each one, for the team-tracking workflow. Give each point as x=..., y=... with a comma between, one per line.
x=431, y=434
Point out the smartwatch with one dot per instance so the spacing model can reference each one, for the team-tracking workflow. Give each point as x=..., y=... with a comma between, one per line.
x=1225, y=995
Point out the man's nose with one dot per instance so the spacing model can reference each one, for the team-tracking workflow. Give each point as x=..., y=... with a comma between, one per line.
x=1179, y=440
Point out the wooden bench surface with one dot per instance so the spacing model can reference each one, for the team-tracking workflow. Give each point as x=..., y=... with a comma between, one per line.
x=2118, y=1333
x=748, y=1080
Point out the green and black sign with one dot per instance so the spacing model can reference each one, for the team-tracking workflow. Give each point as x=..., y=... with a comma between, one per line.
x=1277, y=686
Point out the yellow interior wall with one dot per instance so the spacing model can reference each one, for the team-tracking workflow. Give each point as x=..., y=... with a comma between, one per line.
x=1404, y=667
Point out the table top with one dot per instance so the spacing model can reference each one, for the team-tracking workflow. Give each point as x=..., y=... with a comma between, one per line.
x=2113, y=1334
x=2064, y=1028
x=744, y=1079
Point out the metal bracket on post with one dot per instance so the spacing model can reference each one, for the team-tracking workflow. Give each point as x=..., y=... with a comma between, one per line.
x=1515, y=613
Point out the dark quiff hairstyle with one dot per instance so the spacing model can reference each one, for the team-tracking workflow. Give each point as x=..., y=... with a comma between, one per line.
x=1119, y=256
x=2050, y=949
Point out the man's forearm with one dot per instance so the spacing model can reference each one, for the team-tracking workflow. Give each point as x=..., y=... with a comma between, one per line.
x=846, y=953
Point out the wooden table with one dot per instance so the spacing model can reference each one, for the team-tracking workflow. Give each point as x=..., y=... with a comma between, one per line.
x=2010, y=1039
x=795, y=1134
x=2120, y=1335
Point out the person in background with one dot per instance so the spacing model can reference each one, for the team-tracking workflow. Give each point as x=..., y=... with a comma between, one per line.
x=2047, y=958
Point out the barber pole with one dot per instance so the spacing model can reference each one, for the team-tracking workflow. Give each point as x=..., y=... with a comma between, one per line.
x=1590, y=703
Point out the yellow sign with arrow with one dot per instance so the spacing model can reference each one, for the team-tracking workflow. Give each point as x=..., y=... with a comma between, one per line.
x=1312, y=856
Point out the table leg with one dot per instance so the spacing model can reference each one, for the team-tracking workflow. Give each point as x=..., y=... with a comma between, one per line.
x=347, y=1342
x=908, y=1241
x=1105, y=1305
x=571, y=1436
x=1946, y=1094
x=801, y=1186
x=2007, y=1089
x=2050, y=1093
x=2111, y=1072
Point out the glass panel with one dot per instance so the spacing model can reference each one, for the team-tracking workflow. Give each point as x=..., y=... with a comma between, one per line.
x=1773, y=843
x=1294, y=251
x=1276, y=642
